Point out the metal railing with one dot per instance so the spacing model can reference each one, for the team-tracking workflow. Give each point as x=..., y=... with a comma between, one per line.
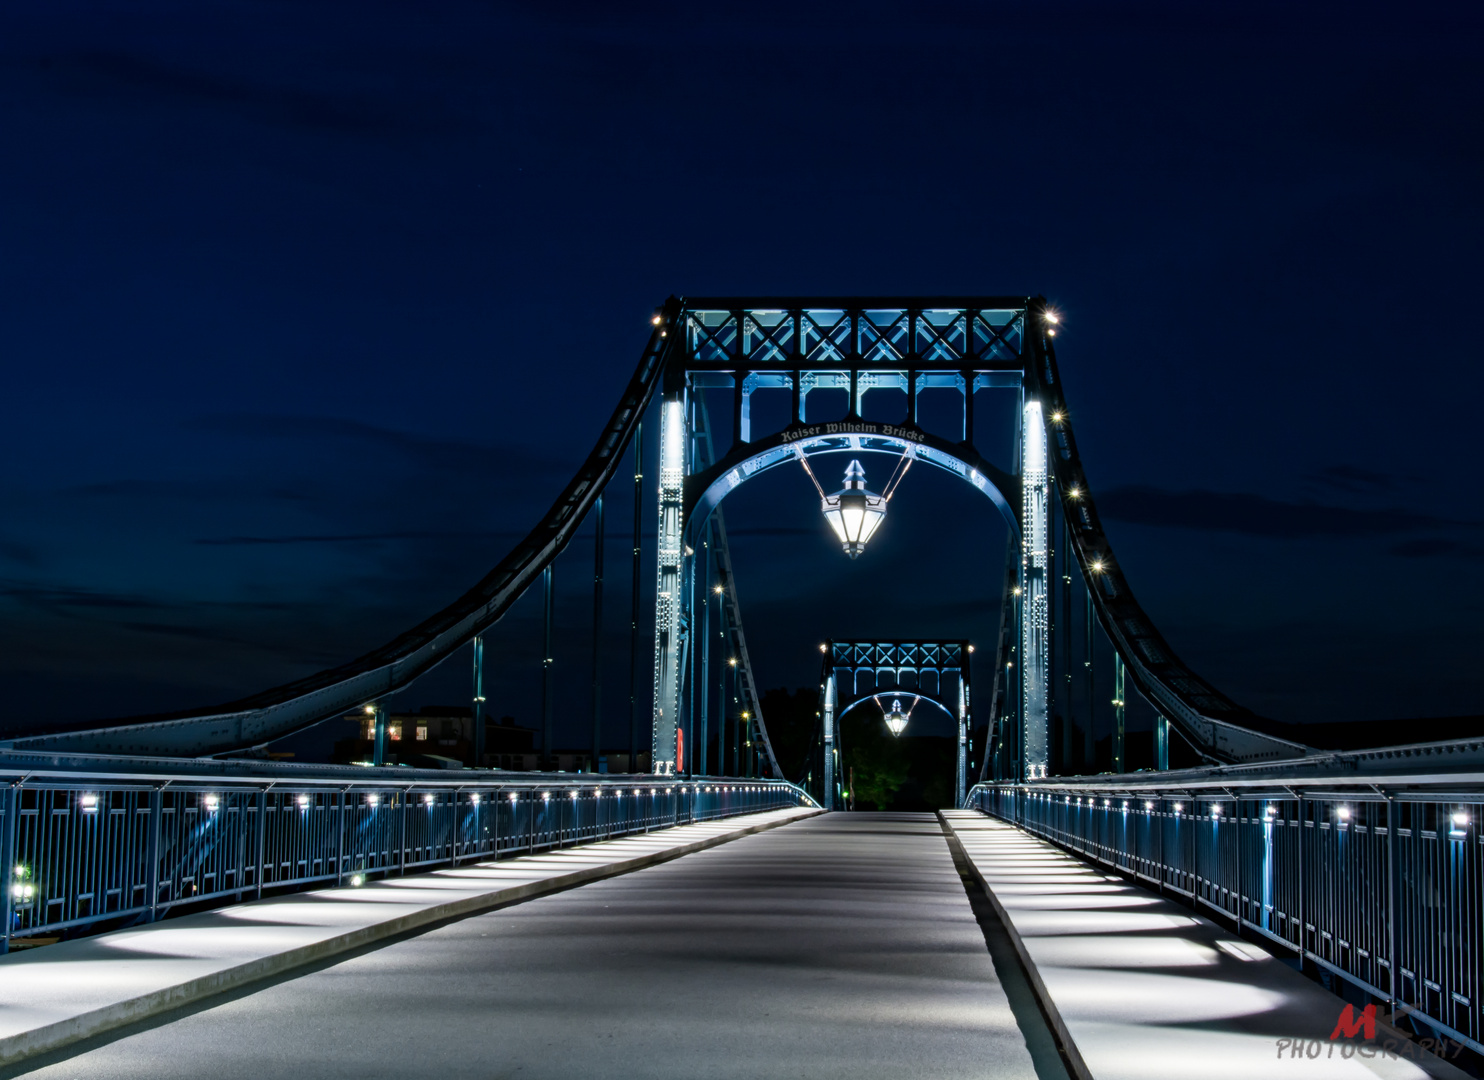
x=1382, y=887
x=89, y=851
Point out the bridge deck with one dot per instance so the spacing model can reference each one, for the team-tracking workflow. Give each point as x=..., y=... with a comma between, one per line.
x=839, y=946
x=53, y=996
x=1146, y=989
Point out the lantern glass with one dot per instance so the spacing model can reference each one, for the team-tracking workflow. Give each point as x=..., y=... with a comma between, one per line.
x=854, y=513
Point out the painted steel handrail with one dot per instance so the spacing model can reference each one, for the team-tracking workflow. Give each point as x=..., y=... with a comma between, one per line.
x=83, y=852
x=1381, y=886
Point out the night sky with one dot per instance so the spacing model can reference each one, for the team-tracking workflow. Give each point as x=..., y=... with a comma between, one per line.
x=308, y=310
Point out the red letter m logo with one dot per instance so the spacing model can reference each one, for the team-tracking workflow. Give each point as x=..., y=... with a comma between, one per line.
x=1349, y=1024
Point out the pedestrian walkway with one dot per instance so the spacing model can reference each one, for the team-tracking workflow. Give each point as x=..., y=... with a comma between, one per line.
x=62, y=993
x=1142, y=988
x=842, y=947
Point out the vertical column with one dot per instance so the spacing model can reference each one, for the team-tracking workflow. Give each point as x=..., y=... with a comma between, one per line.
x=1118, y=713
x=1161, y=743
x=1033, y=584
x=668, y=586
x=733, y=720
x=548, y=593
x=477, y=735
x=597, y=750
x=703, y=681
x=634, y=600
x=1069, y=740
x=961, y=778
x=1090, y=746
x=378, y=746
x=829, y=742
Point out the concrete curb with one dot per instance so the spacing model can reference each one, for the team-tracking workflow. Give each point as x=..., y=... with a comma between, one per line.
x=1068, y=1045
x=51, y=1037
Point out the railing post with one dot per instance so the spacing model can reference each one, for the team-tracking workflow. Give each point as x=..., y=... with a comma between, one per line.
x=262, y=835
x=402, y=834
x=152, y=849
x=1393, y=975
x=340, y=837
x=1303, y=855
x=11, y=808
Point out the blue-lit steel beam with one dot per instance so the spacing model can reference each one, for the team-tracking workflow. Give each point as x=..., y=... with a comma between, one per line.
x=670, y=561
x=1034, y=598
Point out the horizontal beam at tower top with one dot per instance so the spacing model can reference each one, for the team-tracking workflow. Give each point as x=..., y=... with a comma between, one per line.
x=899, y=655
x=978, y=333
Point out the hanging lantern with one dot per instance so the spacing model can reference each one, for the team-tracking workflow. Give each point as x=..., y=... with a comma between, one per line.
x=896, y=720
x=853, y=512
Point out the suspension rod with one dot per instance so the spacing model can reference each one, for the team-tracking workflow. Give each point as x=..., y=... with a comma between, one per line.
x=547, y=704
x=597, y=636
x=634, y=600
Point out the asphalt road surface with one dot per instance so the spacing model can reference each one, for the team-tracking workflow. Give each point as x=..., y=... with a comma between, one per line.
x=841, y=946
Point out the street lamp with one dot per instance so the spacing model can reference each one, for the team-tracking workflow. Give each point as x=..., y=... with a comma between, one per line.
x=896, y=720
x=854, y=512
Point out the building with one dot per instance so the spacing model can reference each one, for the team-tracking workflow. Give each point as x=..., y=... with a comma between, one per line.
x=442, y=737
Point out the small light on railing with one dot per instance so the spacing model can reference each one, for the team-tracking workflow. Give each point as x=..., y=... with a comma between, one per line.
x=1343, y=813
x=1179, y=807
x=1125, y=804
x=303, y=802
x=474, y=798
x=357, y=880
x=89, y=803
x=372, y=799
x=428, y=799
x=370, y=710
x=211, y=803
x=573, y=793
x=667, y=791
x=1215, y=809
x=545, y=796
x=1460, y=819
x=514, y=797
x=1148, y=805
x=1107, y=802
x=651, y=791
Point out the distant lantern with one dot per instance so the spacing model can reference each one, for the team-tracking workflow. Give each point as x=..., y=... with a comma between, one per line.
x=853, y=512
x=896, y=719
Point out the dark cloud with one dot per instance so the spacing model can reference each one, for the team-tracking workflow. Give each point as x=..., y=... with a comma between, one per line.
x=355, y=538
x=1257, y=515
x=58, y=599
x=255, y=99
x=1436, y=547
x=441, y=455
x=215, y=490
x=1354, y=479
x=24, y=554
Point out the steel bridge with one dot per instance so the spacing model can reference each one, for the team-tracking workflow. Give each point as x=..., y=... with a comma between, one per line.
x=1365, y=868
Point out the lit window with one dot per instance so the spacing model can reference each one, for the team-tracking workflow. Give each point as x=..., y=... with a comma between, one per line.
x=394, y=732
x=422, y=732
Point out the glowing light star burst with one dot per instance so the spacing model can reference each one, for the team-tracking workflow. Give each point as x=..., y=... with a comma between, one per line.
x=854, y=512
